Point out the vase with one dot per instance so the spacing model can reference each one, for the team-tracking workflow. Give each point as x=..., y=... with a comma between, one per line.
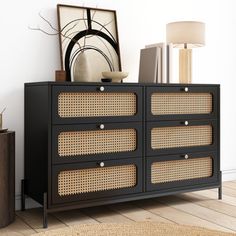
x=82, y=68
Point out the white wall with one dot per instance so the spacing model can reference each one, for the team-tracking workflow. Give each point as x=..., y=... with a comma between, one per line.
x=33, y=56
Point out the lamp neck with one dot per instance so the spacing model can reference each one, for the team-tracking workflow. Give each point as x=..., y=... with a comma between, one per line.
x=185, y=46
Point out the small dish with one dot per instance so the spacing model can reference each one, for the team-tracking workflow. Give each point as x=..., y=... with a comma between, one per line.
x=116, y=76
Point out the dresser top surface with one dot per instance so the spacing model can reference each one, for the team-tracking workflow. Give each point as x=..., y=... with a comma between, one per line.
x=68, y=83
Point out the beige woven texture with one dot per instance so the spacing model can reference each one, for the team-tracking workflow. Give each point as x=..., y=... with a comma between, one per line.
x=181, y=103
x=177, y=170
x=131, y=229
x=96, y=179
x=181, y=136
x=96, y=141
x=83, y=104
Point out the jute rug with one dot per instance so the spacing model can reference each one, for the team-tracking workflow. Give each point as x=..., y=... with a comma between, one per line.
x=136, y=229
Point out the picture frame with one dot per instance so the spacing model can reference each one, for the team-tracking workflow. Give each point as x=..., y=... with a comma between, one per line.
x=90, y=32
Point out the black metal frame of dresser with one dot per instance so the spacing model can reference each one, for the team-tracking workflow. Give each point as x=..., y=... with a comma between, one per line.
x=44, y=197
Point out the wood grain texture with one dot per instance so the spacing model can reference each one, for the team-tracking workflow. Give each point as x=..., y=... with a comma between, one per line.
x=137, y=213
x=7, y=178
x=230, y=185
x=104, y=214
x=177, y=215
x=201, y=208
x=229, y=191
x=218, y=206
x=17, y=228
x=74, y=217
x=33, y=217
x=200, y=212
x=212, y=194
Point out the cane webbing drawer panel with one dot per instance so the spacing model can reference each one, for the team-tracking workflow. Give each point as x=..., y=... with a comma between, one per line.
x=181, y=136
x=181, y=103
x=96, y=179
x=177, y=170
x=96, y=142
x=94, y=104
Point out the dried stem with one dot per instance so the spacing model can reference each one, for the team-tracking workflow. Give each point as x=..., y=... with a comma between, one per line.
x=65, y=35
x=58, y=32
x=3, y=110
x=49, y=23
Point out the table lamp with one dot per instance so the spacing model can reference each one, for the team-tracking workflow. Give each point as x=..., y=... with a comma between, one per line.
x=185, y=35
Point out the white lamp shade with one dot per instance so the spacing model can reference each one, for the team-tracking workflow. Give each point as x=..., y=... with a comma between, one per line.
x=191, y=33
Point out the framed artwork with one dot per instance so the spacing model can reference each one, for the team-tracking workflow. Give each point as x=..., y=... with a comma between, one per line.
x=89, y=42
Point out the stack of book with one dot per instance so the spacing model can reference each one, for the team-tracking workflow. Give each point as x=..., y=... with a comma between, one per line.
x=155, y=63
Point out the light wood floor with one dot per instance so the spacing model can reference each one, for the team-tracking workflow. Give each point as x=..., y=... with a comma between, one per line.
x=197, y=208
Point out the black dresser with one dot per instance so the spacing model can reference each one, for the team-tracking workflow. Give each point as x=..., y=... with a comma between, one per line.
x=89, y=144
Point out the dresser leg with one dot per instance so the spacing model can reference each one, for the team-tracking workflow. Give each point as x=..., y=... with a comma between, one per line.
x=220, y=193
x=220, y=188
x=45, y=214
x=22, y=194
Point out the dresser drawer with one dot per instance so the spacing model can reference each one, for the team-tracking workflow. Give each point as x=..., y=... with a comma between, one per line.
x=80, y=143
x=168, y=103
x=166, y=137
x=175, y=171
x=89, y=104
x=96, y=180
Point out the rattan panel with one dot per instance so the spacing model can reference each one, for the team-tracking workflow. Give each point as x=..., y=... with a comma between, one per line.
x=94, y=104
x=181, y=136
x=181, y=103
x=96, y=141
x=96, y=179
x=169, y=171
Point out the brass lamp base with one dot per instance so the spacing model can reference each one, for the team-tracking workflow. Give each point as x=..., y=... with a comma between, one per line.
x=185, y=66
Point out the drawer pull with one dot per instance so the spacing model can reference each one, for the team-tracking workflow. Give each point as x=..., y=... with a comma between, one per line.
x=101, y=126
x=101, y=88
x=186, y=89
x=101, y=164
x=186, y=122
x=186, y=156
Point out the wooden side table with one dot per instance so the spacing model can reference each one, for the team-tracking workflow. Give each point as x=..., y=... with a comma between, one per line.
x=7, y=178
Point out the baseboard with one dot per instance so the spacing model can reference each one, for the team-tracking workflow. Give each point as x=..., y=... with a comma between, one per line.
x=227, y=175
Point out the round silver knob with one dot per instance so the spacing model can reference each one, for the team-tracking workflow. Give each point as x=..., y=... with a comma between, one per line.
x=186, y=89
x=101, y=88
x=102, y=164
x=186, y=122
x=186, y=156
x=101, y=126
